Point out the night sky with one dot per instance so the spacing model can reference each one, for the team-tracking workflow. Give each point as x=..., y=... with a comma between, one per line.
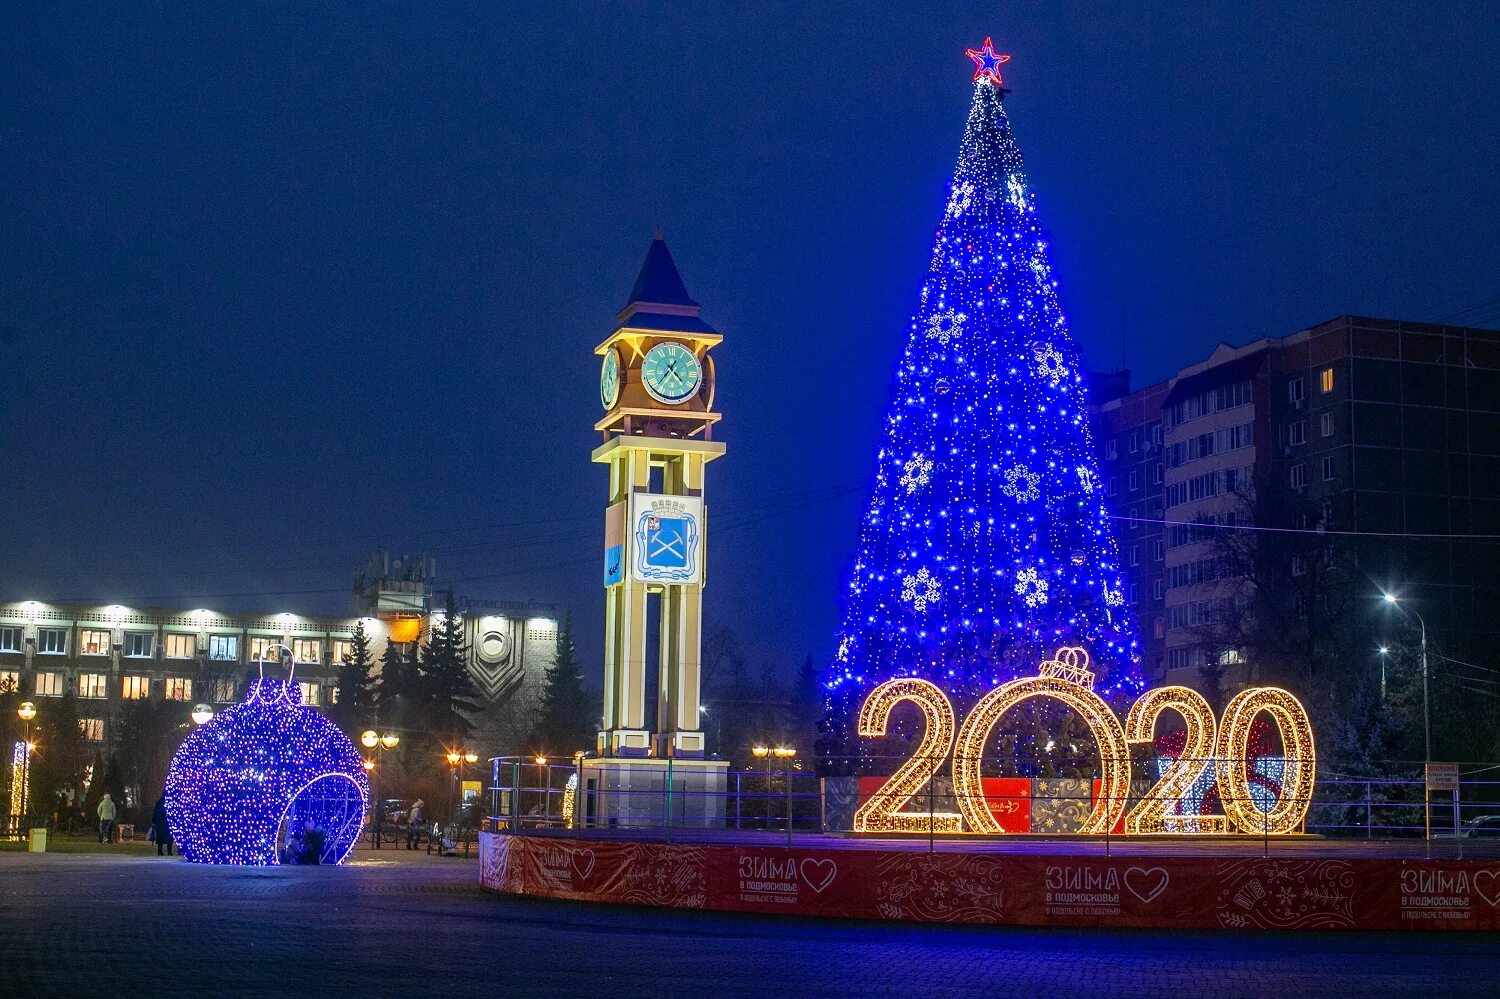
x=280, y=287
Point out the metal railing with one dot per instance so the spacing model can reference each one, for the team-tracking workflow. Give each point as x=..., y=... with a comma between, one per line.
x=669, y=799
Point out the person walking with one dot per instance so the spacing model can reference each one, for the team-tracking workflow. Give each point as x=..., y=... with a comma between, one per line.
x=414, y=824
x=160, y=830
x=106, y=818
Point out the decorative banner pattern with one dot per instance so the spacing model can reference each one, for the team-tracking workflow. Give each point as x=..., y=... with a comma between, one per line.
x=1168, y=892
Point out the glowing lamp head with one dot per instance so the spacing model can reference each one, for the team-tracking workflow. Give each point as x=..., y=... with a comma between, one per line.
x=471, y=757
x=1384, y=650
x=785, y=752
x=26, y=711
x=202, y=714
x=541, y=761
x=1390, y=598
x=369, y=738
x=369, y=765
x=453, y=759
x=760, y=752
x=390, y=740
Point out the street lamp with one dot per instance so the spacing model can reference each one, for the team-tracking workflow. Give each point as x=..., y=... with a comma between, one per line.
x=1384, y=651
x=372, y=739
x=1395, y=602
x=26, y=712
x=202, y=714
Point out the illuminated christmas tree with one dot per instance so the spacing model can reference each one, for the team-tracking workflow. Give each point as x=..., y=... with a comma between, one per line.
x=986, y=544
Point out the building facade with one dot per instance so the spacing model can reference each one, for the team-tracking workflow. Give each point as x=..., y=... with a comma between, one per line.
x=109, y=655
x=1382, y=432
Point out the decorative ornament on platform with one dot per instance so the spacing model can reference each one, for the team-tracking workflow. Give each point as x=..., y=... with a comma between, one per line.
x=264, y=774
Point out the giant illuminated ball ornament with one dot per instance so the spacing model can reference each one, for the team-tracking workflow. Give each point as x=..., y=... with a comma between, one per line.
x=247, y=782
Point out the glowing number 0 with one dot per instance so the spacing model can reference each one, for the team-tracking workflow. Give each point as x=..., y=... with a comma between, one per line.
x=1149, y=816
x=1114, y=753
x=882, y=813
x=1234, y=764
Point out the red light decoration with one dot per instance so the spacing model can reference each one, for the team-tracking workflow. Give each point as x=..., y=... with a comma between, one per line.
x=986, y=63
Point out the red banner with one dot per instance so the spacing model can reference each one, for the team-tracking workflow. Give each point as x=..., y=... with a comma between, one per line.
x=988, y=887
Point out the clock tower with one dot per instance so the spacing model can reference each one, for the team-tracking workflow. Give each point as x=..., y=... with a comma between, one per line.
x=656, y=385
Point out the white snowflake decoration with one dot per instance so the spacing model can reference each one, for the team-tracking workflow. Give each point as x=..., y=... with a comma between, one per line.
x=1050, y=365
x=845, y=644
x=921, y=590
x=1088, y=480
x=962, y=199
x=1022, y=484
x=1031, y=587
x=946, y=326
x=916, y=473
x=1113, y=597
x=1015, y=185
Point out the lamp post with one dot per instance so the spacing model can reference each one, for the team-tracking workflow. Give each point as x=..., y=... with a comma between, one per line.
x=1395, y=602
x=26, y=712
x=1384, y=651
x=786, y=753
x=372, y=739
x=760, y=753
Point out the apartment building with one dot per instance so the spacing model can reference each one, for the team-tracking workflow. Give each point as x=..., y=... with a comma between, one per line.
x=1383, y=428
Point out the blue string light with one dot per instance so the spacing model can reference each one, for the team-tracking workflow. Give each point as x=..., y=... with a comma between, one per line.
x=269, y=761
x=986, y=543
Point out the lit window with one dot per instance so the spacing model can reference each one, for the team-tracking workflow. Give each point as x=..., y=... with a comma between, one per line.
x=138, y=644
x=1325, y=380
x=1325, y=424
x=51, y=641
x=93, y=685
x=307, y=650
x=224, y=691
x=225, y=647
x=10, y=639
x=49, y=684
x=1297, y=477
x=342, y=651
x=333, y=695
x=93, y=643
x=92, y=729
x=263, y=648
x=1294, y=390
x=135, y=688
x=177, y=688
x=309, y=693
x=181, y=646
x=1328, y=469
x=10, y=681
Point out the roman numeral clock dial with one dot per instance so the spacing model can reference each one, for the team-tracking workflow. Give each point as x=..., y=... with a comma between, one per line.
x=671, y=373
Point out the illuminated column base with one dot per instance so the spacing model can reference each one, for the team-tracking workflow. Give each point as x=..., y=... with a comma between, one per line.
x=652, y=794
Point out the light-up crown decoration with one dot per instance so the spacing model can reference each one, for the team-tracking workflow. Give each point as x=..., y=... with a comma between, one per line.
x=1071, y=665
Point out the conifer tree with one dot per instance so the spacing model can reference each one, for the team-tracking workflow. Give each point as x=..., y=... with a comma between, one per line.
x=446, y=691
x=354, y=708
x=567, y=718
x=986, y=544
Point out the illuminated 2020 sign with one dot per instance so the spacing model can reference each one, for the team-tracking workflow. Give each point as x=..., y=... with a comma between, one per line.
x=1067, y=679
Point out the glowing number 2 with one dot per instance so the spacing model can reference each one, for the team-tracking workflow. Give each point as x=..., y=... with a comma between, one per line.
x=882, y=813
x=1150, y=815
x=1234, y=763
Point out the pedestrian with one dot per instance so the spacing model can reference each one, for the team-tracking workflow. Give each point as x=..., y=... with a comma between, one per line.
x=106, y=818
x=160, y=830
x=414, y=825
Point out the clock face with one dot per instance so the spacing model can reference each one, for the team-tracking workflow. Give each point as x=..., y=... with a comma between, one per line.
x=671, y=373
x=609, y=379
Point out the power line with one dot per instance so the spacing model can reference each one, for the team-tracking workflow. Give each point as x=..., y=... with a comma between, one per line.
x=1307, y=530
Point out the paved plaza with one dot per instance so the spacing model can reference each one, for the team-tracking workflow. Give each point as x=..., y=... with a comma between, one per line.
x=401, y=924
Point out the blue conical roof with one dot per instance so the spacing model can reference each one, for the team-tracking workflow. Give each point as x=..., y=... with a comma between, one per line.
x=658, y=282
